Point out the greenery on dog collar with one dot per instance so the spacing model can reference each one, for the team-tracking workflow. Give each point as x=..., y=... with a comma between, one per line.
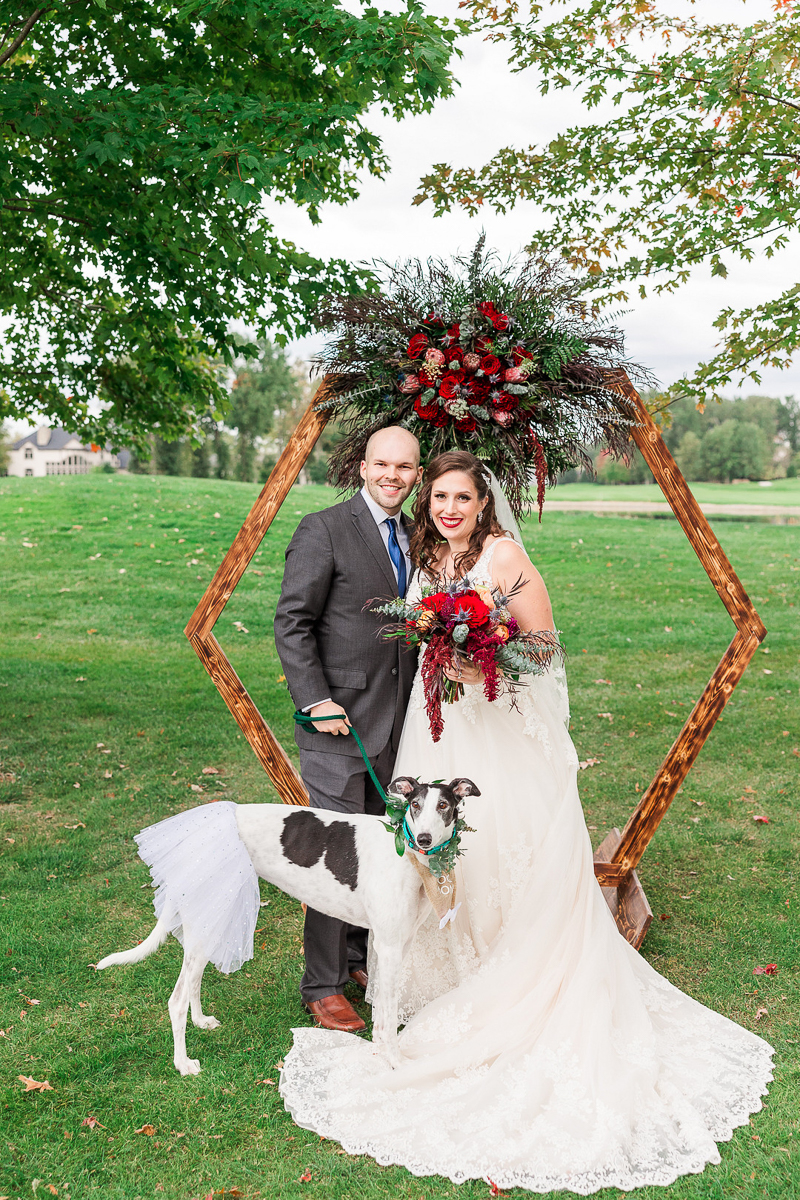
x=443, y=859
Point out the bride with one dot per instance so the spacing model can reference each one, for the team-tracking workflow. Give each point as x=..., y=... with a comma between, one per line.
x=541, y=1050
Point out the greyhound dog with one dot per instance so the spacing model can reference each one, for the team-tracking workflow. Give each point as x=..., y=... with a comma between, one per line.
x=341, y=864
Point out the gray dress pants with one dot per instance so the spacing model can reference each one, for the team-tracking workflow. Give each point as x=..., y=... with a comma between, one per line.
x=339, y=782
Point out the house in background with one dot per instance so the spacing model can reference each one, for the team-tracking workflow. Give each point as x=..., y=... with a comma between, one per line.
x=55, y=452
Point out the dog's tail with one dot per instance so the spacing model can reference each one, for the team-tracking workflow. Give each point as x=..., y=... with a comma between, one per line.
x=149, y=946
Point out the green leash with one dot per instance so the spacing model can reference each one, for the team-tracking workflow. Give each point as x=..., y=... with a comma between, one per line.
x=306, y=719
x=397, y=813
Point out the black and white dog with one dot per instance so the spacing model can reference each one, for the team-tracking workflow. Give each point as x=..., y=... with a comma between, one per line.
x=342, y=865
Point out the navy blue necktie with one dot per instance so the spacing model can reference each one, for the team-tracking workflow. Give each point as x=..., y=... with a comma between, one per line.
x=397, y=556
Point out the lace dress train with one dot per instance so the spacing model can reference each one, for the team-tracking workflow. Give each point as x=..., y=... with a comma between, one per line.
x=541, y=1051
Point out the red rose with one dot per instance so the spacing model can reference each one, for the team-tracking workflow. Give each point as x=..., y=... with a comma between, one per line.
x=470, y=610
x=448, y=387
x=519, y=353
x=487, y=309
x=425, y=379
x=417, y=344
x=441, y=419
x=483, y=345
x=500, y=321
x=478, y=390
x=466, y=424
x=452, y=335
x=427, y=412
x=436, y=602
x=504, y=402
x=490, y=364
x=454, y=354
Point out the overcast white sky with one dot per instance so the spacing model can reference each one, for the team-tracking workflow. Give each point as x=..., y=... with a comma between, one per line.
x=494, y=108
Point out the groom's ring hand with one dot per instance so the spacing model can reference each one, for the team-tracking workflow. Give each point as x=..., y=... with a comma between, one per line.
x=329, y=709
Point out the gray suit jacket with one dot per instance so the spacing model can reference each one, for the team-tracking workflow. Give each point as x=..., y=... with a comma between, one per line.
x=327, y=644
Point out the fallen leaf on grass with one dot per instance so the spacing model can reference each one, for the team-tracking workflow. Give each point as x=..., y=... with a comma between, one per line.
x=82, y=1004
x=34, y=1085
x=268, y=1082
x=769, y=969
x=589, y=762
x=108, y=774
x=278, y=1065
x=494, y=1190
x=149, y=1130
x=210, y=771
x=608, y=681
x=195, y=787
x=80, y=825
x=607, y=716
x=761, y=819
x=752, y=791
x=762, y=1012
x=92, y=1123
x=239, y=627
x=667, y=629
x=80, y=679
x=306, y=1177
x=665, y=917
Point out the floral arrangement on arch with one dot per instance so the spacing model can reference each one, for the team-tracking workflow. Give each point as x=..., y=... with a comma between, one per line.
x=505, y=362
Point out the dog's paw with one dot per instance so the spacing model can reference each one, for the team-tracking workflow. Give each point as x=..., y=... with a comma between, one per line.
x=205, y=1022
x=188, y=1066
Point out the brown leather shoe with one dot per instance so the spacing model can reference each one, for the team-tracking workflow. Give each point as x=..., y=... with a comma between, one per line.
x=360, y=977
x=334, y=1012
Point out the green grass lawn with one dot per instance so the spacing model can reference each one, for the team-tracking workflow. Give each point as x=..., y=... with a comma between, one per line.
x=780, y=491
x=107, y=720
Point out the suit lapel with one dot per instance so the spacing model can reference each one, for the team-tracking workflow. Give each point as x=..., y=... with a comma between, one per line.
x=368, y=531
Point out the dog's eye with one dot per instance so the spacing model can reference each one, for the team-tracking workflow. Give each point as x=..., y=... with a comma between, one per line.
x=442, y=805
x=415, y=805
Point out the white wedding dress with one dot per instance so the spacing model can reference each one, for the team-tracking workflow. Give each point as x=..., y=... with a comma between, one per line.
x=541, y=1050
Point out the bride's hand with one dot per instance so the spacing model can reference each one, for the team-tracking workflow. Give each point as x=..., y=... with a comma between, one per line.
x=461, y=672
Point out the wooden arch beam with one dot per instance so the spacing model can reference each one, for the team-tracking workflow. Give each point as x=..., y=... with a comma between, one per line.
x=618, y=856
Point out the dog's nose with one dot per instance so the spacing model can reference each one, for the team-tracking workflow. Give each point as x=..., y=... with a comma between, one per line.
x=424, y=840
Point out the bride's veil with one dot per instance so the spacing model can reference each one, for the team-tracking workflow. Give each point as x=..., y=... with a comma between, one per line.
x=505, y=517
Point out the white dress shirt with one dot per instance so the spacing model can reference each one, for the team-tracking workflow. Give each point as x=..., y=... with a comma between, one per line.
x=379, y=516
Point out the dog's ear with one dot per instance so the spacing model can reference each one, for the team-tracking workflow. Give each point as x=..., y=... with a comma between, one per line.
x=403, y=786
x=463, y=787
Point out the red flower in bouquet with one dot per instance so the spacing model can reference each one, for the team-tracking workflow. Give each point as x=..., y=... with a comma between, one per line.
x=519, y=354
x=417, y=344
x=504, y=401
x=478, y=390
x=469, y=609
x=499, y=320
x=410, y=384
x=426, y=379
x=503, y=418
x=466, y=424
x=490, y=364
x=452, y=335
x=454, y=354
x=427, y=412
x=435, y=357
x=448, y=388
x=471, y=362
x=434, y=318
x=483, y=345
x=513, y=375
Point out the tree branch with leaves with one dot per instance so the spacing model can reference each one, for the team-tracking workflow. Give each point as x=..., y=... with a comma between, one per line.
x=698, y=162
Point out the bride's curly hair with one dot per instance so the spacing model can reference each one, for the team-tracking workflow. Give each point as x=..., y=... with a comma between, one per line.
x=426, y=539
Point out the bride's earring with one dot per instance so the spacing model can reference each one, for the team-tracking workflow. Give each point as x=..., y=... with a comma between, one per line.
x=479, y=517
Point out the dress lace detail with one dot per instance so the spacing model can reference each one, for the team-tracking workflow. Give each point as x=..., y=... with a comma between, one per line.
x=539, y=1049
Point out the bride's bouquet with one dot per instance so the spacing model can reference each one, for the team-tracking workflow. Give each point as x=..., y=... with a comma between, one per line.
x=461, y=624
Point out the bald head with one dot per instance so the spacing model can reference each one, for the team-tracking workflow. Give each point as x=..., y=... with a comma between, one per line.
x=394, y=441
x=391, y=469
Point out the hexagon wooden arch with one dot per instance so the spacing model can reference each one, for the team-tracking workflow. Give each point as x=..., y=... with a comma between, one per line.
x=619, y=854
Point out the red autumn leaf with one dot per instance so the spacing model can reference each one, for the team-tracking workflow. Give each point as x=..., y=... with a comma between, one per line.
x=761, y=819
x=665, y=917
x=149, y=1130
x=34, y=1085
x=92, y=1123
x=769, y=969
x=306, y=1176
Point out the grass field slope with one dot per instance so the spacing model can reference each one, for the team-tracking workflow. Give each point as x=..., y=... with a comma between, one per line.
x=108, y=722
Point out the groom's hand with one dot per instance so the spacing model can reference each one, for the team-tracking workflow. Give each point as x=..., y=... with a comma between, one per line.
x=329, y=709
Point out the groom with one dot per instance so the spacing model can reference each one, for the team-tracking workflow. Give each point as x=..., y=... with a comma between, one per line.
x=336, y=665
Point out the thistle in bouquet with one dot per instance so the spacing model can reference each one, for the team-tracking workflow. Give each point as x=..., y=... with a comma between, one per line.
x=463, y=625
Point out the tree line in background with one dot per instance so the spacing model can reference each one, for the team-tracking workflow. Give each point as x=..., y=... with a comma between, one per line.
x=757, y=437
x=268, y=396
